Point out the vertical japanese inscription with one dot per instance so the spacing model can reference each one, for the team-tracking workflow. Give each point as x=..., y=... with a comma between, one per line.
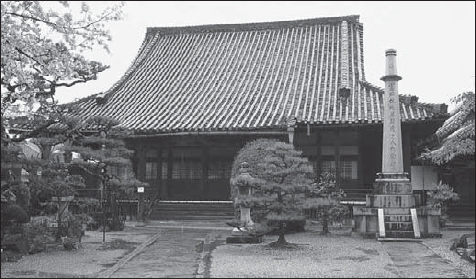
x=392, y=161
x=392, y=113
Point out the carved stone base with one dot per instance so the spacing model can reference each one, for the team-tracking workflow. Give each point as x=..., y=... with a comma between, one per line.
x=393, y=194
x=392, y=176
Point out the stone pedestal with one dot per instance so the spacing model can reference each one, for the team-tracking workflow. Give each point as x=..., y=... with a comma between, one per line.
x=396, y=200
x=242, y=235
x=245, y=218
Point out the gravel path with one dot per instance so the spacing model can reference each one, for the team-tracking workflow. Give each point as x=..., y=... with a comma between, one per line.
x=341, y=256
x=317, y=256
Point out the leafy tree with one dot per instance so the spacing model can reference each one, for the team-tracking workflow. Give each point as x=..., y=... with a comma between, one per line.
x=43, y=46
x=42, y=49
x=441, y=197
x=281, y=179
x=455, y=138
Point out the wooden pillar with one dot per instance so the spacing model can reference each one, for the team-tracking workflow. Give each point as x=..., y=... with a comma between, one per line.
x=204, y=178
x=141, y=163
x=160, y=180
x=337, y=156
x=319, y=151
x=360, y=160
x=406, y=146
x=170, y=165
x=164, y=176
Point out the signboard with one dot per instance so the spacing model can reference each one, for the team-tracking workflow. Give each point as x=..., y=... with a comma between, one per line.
x=424, y=177
x=140, y=189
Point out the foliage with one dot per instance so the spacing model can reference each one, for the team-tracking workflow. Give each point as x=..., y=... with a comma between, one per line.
x=328, y=208
x=252, y=153
x=13, y=214
x=85, y=205
x=456, y=136
x=441, y=196
x=43, y=45
x=43, y=48
x=14, y=203
x=279, y=185
x=102, y=156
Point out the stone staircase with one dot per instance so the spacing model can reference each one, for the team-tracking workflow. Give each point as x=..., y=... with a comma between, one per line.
x=461, y=216
x=193, y=210
x=398, y=223
x=464, y=212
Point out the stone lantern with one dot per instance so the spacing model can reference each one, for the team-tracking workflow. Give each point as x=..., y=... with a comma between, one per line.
x=244, y=182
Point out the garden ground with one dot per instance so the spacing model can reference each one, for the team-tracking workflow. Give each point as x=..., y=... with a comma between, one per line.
x=342, y=254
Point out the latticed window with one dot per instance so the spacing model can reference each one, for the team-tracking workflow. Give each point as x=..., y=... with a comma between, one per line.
x=328, y=166
x=151, y=170
x=219, y=170
x=121, y=172
x=165, y=170
x=348, y=169
x=151, y=164
x=187, y=170
x=112, y=170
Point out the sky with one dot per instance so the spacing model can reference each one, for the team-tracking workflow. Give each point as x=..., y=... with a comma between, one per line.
x=435, y=40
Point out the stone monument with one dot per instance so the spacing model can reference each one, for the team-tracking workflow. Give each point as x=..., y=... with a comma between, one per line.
x=393, y=211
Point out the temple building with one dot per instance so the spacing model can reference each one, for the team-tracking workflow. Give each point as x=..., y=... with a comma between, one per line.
x=194, y=95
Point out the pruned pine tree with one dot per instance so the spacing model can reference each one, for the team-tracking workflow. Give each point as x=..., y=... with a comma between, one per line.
x=92, y=148
x=280, y=187
x=105, y=156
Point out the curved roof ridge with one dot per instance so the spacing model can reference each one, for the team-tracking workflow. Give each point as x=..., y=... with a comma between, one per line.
x=250, y=26
x=372, y=86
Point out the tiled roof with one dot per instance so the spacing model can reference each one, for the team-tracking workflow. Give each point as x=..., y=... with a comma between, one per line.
x=240, y=77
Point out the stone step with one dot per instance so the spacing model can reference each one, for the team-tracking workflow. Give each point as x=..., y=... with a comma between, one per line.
x=399, y=234
x=390, y=239
x=193, y=211
x=191, y=218
x=397, y=218
x=399, y=226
